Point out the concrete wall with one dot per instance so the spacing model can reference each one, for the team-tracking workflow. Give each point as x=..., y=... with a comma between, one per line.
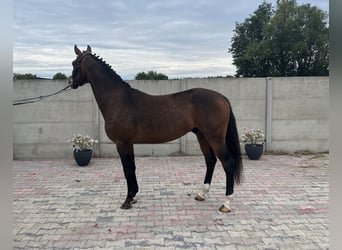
x=300, y=114
x=292, y=111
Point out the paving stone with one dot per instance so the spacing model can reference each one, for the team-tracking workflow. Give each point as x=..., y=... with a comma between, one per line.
x=281, y=204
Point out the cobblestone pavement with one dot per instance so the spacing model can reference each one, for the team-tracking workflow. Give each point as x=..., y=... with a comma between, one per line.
x=281, y=204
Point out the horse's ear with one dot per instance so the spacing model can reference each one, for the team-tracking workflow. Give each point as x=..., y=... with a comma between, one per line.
x=88, y=49
x=77, y=50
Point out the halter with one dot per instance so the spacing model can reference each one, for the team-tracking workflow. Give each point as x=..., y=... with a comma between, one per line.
x=77, y=67
x=77, y=61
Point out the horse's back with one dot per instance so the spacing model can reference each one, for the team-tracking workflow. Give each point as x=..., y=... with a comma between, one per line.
x=185, y=103
x=161, y=118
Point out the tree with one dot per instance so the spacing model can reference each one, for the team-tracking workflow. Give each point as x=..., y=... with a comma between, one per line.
x=289, y=41
x=59, y=76
x=248, y=46
x=27, y=76
x=151, y=75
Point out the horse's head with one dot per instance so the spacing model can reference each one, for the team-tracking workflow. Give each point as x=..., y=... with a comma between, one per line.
x=78, y=78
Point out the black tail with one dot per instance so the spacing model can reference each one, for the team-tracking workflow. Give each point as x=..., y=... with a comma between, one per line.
x=233, y=144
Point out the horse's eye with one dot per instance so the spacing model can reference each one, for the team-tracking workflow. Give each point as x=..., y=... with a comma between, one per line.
x=75, y=63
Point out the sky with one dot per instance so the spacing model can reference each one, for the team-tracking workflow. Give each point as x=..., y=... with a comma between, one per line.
x=179, y=38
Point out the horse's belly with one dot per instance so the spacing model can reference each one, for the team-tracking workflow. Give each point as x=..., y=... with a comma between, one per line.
x=160, y=134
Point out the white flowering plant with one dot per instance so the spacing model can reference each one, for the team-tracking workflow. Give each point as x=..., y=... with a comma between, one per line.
x=82, y=143
x=252, y=136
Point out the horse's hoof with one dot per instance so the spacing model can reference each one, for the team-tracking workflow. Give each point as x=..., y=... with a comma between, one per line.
x=126, y=206
x=199, y=198
x=224, y=209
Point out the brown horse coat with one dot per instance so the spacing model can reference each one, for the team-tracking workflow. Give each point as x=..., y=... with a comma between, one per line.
x=132, y=116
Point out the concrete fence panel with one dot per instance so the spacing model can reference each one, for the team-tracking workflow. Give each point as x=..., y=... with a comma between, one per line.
x=300, y=114
x=293, y=112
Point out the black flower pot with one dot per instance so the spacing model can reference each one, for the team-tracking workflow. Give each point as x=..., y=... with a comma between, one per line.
x=254, y=151
x=83, y=157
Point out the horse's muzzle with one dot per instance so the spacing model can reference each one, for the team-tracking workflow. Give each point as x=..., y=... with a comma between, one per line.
x=71, y=83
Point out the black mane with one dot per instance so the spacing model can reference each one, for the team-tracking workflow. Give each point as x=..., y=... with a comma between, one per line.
x=109, y=69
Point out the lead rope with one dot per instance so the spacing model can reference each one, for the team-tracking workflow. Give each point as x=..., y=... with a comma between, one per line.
x=40, y=98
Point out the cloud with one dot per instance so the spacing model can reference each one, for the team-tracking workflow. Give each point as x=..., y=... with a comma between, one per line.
x=179, y=38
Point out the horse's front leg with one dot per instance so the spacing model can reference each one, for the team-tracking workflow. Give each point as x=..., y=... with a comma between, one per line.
x=127, y=159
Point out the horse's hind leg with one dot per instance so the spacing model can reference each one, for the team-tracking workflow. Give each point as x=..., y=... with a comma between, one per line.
x=127, y=159
x=210, y=161
x=227, y=161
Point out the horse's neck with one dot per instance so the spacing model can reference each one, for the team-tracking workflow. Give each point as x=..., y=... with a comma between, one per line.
x=109, y=90
x=108, y=93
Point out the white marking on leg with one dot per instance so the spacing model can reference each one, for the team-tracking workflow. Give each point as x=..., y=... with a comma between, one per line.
x=229, y=198
x=134, y=200
x=205, y=190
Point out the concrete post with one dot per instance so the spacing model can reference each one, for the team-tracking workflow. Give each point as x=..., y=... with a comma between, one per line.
x=268, y=132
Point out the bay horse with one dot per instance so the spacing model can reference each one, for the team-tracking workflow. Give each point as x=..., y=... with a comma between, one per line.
x=132, y=116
